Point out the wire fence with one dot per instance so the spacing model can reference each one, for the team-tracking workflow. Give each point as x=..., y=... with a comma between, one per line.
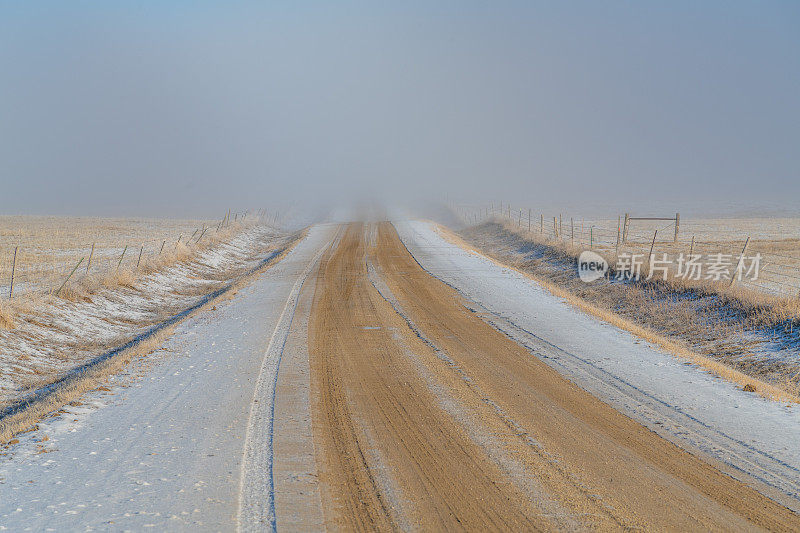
x=760, y=254
x=39, y=255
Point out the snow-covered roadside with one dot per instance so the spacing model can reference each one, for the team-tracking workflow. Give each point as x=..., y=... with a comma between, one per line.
x=753, y=435
x=163, y=450
x=56, y=335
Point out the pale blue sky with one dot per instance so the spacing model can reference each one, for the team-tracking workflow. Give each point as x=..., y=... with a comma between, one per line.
x=191, y=107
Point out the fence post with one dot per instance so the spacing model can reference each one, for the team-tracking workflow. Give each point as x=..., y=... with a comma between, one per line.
x=13, y=268
x=625, y=229
x=591, y=237
x=89, y=263
x=555, y=227
x=691, y=248
x=529, y=220
x=650, y=255
x=616, y=251
x=121, y=256
x=572, y=231
x=739, y=262
x=141, y=250
x=541, y=224
x=652, y=244
x=677, y=226
x=70, y=275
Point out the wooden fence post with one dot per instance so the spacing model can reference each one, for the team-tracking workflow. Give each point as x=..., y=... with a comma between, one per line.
x=616, y=251
x=677, y=226
x=519, y=220
x=89, y=263
x=625, y=229
x=541, y=224
x=739, y=262
x=555, y=227
x=13, y=268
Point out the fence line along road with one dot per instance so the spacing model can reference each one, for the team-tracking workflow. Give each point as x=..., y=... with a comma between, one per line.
x=779, y=257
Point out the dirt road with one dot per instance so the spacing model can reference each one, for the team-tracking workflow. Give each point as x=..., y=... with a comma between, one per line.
x=346, y=388
x=426, y=416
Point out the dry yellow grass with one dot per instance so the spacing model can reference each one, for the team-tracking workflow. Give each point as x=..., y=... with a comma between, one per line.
x=6, y=316
x=673, y=347
x=70, y=388
x=48, y=248
x=768, y=309
x=775, y=239
x=75, y=386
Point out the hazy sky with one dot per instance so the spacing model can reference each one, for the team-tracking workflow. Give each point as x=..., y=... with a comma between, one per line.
x=192, y=107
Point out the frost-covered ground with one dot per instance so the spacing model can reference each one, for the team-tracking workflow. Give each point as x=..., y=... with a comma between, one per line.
x=775, y=240
x=759, y=343
x=53, y=335
x=755, y=436
x=164, y=447
x=48, y=247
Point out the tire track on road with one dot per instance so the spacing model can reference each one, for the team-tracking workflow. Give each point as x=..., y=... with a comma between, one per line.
x=257, y=486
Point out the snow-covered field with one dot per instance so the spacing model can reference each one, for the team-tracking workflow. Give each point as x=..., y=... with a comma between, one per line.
x=47, y=248
x=181, y=441
x=754, y=436
x=165, y=446
x=54, y=335
x=776, y=240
